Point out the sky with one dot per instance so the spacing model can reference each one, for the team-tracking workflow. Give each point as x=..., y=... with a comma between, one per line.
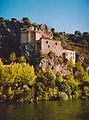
x=63, y=15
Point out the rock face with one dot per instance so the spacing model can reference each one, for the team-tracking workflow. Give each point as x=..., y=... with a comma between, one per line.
x=45, y=31
x=54, y=63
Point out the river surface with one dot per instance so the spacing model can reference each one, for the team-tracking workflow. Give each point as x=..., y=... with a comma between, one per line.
x=50, y=110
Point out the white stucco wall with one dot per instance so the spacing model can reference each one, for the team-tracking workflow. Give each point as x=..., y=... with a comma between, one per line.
x=70, y=55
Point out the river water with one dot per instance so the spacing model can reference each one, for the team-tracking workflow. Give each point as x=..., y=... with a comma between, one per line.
x=50, y=110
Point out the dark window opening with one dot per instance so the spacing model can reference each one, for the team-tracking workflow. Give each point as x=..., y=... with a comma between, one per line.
x=52, y=67
x=48, y=46
x=34, y=28
x=64, y=55
x=56, y=43
x=47, y=42
x=49, y=63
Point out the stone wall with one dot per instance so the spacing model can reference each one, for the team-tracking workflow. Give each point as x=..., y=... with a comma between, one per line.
x=54, y=46
x=44, y=31
x=38, y=35
x=48, y=45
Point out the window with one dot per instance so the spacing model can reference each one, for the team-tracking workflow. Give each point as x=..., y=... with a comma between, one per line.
x=49, y=63
x=52, y=67
x=47, y=42
x=50, y=57
x=55, y=43
x=34, y=28
x=48, y=46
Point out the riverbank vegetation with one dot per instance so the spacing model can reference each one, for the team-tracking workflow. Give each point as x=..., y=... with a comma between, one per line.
x=19, y=83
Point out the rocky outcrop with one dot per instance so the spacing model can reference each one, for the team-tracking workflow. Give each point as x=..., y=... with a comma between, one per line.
x=45, y=31
x=55, y=64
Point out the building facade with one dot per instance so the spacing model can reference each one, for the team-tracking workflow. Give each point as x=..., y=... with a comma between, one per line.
x=39, y=43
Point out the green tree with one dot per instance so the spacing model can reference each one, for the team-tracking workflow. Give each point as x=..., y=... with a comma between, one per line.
x=79, y=67
x=26, y=21
x=13, y=57
x=45, y=85
x=22, y=59
x=72, y=88
x=71, y=64
x=1, y=63
x=85, y=34
x=17, y=81
x=1, y=20
x=13, y=19
x=53, y=30
x=84, y=78
x=77, y=32
x=84, y=44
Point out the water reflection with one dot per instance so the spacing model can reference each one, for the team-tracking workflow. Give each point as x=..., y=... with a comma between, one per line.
x=50, y=110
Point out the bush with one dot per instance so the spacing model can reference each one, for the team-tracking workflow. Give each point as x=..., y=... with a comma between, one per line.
x=79, y=67
x=17, y=80
x=71, y=64
x=62, y=96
